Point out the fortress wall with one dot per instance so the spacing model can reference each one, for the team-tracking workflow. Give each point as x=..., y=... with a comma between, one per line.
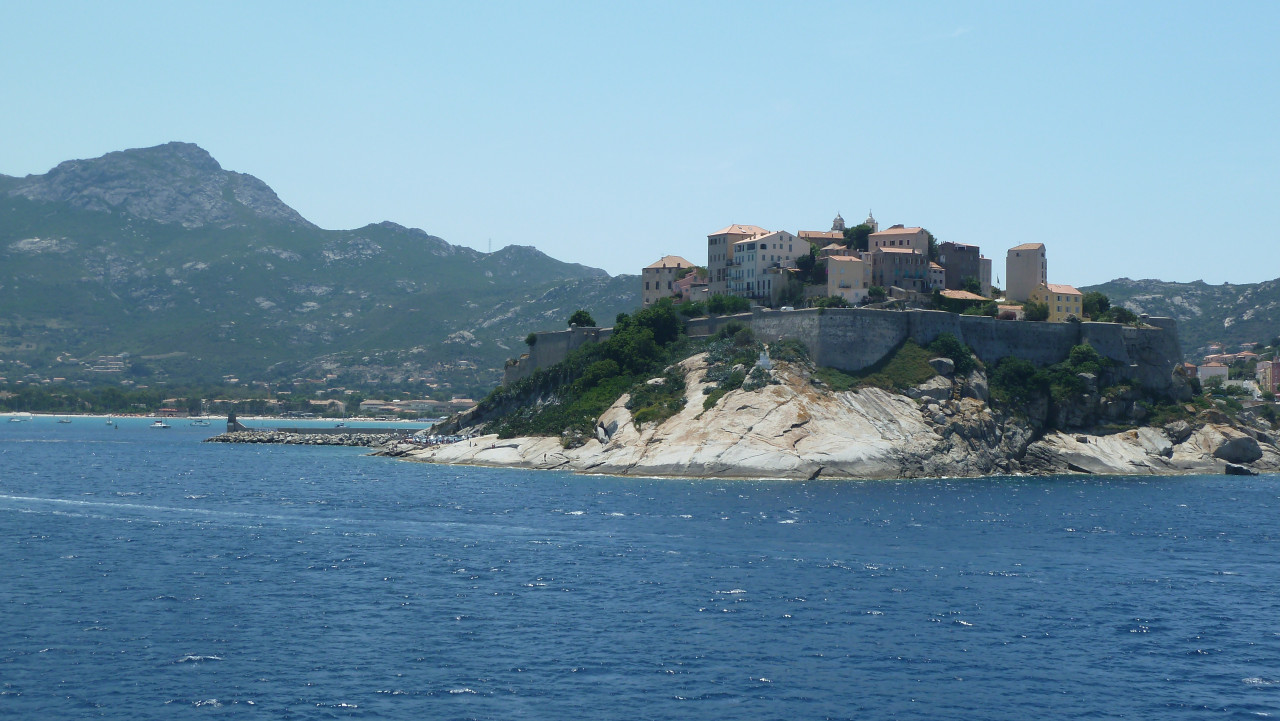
x=852, y=339
x=697, y=327
x=802, y=325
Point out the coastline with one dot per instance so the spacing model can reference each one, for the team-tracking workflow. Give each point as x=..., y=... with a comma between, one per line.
x=792, y=431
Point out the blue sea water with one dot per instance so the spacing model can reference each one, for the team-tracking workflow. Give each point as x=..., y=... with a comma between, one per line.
x=144, y=575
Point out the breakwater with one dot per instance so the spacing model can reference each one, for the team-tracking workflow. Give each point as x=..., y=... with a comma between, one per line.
x=314, y=437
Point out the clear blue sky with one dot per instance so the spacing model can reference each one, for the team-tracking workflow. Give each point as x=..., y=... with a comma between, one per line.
x=1134, y=139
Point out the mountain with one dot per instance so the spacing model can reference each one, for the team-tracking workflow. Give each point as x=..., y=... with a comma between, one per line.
x=198, y=273
x=1228, y=313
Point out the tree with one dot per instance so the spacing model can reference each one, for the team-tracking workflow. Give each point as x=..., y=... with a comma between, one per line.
x=856, y=238
x=831, y=301
x=721, y=304
x=877, y=293
x=1035, y=311
x=933, y=247
x=1121, y=314
x=1095, y=304
x=582, y=318
x=971, y=284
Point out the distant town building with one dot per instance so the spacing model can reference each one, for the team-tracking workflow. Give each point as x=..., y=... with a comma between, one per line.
x=1268, y=375
x=1064, y=301
x=658, y=279
x=916, y=239
x=848, y=277
x=752, y=258
x=1208, y=371
x=903, y=268
x=720, y=253
x=1025, y=269
x=963, y=261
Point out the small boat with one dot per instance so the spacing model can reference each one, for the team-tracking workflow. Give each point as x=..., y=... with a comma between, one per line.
x=199, y=422
x=159, y=424
x=19, y=418
x=64, y=420
x=340, y=425
x=110, y=422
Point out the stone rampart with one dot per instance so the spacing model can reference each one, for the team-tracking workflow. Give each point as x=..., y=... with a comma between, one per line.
x=852, y=339
x=551, y=347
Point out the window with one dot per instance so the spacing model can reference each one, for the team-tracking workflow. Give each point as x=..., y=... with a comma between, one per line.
x=646, y=285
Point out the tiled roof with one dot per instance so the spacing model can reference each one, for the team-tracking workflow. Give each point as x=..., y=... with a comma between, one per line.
x=1028, y=246
x=962, y=295
x=898, y=231
x=669, y=261
x=1064, y=289
x=739, y=229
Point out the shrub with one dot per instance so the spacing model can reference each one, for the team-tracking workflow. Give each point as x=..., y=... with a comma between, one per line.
x=1033, y=310
x=582, y=318
x=948, y=346
x=531, y=339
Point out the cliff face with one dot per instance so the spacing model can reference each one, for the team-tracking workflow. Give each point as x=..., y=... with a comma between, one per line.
x=795, y=430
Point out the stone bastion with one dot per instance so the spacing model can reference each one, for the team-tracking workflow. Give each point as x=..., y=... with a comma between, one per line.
x=852, y=339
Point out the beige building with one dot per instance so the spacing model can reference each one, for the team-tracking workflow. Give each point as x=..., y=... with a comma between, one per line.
x=903, y=268
x=1025, y=269
x=720, y=253
x=659, y=278
x=754, y=257
x=1212, y=370
x=1063, y=301
x=848, y=277
x=916, y=239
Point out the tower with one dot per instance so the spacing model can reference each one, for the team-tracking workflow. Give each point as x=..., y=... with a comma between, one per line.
x=837, y=225
x=871, y=221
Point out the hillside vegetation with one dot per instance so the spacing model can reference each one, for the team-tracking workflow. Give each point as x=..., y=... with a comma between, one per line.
x=198, y=273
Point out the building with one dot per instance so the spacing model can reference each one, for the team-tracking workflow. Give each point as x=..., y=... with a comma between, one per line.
x=848, y=277
x=916, y=239
x=720, y=253
x=1064, y=301
x=1268, y=375
x=903, y=268
x=963, y=261
x=754, y=257
x=1210, y=371
x=937, y=277
x=692, y=287
x=834, y=249
x=658, y=279
x=1025, y=269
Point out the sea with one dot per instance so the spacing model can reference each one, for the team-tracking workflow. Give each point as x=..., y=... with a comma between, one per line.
x=147, y=575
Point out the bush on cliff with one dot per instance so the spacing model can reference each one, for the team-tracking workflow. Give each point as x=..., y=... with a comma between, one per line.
x=566, y=398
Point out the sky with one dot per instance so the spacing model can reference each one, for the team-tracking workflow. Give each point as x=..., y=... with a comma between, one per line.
x=1127, y=137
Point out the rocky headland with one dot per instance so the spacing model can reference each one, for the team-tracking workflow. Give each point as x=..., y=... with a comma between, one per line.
x=796, y=427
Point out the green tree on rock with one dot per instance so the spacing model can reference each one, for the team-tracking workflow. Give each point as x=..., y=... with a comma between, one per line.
x=582, y=318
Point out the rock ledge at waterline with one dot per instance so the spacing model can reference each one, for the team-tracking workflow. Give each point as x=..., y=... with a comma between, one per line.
x=794, y=430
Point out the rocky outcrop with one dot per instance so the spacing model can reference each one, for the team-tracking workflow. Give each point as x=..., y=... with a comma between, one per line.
x=793, y=430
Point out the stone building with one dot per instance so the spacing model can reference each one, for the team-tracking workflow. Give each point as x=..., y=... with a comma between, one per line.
x=963, y=261
x=754, y=257
x=658, y=279
x=1064, y=301
x=720, y=253
x=1025, y=269
x=848, y=277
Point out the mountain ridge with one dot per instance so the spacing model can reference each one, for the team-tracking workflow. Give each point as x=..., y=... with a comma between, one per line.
x=158, y=253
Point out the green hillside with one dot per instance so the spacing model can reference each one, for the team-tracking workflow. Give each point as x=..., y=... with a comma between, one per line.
x=233, y=283
x=1227, y=313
